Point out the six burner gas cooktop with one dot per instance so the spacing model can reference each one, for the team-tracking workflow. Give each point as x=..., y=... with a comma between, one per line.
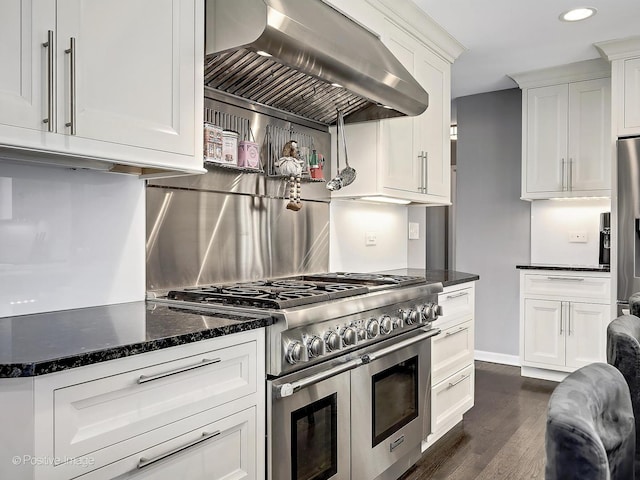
x=292, y=291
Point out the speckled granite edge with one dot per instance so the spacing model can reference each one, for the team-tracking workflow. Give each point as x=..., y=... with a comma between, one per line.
x=89, y=358
x=458, y=281
x=569, y=268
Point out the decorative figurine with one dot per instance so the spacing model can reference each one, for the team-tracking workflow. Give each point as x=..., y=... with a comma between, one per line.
x=289, y=164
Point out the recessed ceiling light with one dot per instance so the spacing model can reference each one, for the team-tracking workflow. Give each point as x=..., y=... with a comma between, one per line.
x=577, y=14
x=263, y=53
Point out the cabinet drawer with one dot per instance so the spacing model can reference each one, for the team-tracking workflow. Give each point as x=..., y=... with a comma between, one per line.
x=96, y=414
x=566, y=285
x=221, y=450
x=457, y=306
x=452, y=397
x=451, y=351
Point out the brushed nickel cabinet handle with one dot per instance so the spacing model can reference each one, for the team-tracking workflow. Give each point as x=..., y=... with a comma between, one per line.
x=561, y=317
x=563, y=172
x=457, y=295
x=570, y=279
x=145, y=462
x=570, y=182
x=422, y=187
x=204, y=363
x=426, y=172
x=49, y=45
x=460, y=329
x=72, y=86
x=453, y=384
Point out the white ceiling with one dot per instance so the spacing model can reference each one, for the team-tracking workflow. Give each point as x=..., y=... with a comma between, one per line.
x=514, y=36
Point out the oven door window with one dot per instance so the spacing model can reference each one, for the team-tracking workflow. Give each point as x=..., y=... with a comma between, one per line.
x=395, y=398
x=314, y=440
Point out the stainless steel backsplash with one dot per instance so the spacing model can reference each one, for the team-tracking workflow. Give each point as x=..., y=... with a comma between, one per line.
x=230, y=226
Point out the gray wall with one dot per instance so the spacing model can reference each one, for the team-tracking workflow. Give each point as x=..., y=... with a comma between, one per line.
x=492, y=223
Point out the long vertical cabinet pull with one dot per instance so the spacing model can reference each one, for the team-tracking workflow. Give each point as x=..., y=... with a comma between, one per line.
x=570, y=180
x=421, y=187
x=561, y=316
x=50, y=92
x=569, y=318
x=426, y=171
x=72, y=83
x=562, y=159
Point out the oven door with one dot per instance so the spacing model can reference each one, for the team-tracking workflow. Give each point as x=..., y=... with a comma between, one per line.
x=308, y=431
x=389, y=404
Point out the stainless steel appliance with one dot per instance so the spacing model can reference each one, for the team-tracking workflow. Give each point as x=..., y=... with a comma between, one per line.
x=604, y=251
x=307, y=58
x=348, y=364
x=628, y=219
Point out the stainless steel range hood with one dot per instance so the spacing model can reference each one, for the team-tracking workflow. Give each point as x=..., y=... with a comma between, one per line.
x=311, y=46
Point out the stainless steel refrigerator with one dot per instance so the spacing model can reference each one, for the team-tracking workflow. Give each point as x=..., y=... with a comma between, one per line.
x=628, y=219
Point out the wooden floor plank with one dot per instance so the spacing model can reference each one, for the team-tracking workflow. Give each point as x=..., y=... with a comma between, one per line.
x=501, y=437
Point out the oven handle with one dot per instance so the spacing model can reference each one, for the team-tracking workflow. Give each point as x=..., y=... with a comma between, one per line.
x=370, y=357
x=288, y=389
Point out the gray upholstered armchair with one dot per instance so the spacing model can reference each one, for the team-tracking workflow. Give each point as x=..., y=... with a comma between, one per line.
x=590, y=427
x=623, y=352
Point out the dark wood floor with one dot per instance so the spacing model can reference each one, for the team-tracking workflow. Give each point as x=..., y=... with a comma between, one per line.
x=501, y=437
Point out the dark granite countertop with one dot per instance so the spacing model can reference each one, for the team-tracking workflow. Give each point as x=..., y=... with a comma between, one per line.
x=570, y=268
x=44, y=343
x=446, y=277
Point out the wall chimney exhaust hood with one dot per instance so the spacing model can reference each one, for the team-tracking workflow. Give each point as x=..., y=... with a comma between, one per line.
x=306, y=58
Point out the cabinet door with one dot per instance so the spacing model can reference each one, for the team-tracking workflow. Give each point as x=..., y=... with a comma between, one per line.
x=401, y=163
x=223, y=450
x=25, y=62
x=134, y=72
x=589, y=135
x=547, y=116
x=632, y=93
x=431, y=128
x=586, y=334
x=544, y=332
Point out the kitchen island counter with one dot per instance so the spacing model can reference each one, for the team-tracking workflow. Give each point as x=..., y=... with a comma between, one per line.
x=39, y=344
x=446, y=277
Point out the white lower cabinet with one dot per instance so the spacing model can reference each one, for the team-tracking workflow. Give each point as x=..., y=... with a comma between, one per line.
x=452, y=368
x=194, y=411
x=451, y=398
x=563, y=318
x=221, y=450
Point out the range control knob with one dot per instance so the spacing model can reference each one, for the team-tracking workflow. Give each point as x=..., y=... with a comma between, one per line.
x=427, y=312
x=294, y=352
x=362, y=334
x=386, y=325
x=349, y=336
x=332, y=341
x=413, y=317
x=373, y=328
x=404, y=314
x=315, y=346
x=431, y=311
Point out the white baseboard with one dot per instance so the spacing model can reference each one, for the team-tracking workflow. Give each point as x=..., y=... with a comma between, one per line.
x=543, y=374
x=497, y=358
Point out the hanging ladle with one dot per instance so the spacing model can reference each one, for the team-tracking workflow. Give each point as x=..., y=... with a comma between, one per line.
x=348, y=175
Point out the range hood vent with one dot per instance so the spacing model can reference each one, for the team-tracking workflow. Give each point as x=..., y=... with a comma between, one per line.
x=319, y=61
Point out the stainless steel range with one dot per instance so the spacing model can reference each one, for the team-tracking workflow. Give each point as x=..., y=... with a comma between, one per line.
x=348, y=364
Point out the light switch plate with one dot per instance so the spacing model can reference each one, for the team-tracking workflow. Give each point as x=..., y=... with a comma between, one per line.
x=578, y=237
x=414, y=231
x=371, y=239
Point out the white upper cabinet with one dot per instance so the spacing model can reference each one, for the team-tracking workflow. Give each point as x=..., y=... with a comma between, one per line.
x=406, y=158
x=566, y=127
x=624, y=55
x=116, y=81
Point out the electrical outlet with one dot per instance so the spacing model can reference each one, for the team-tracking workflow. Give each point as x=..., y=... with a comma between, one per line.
x=414, y=231
x=371, y=239
x=578, y=237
